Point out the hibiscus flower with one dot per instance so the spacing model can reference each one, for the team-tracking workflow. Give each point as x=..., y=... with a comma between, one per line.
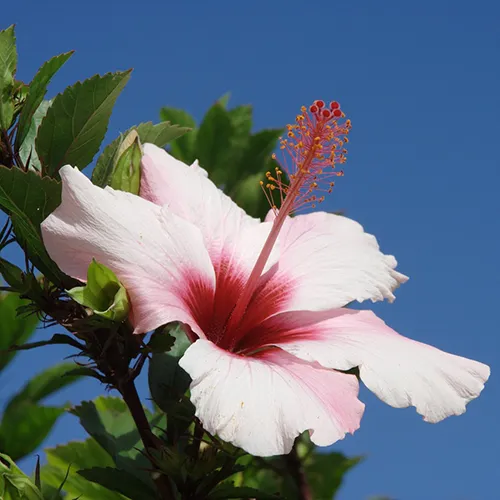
x=263, y=302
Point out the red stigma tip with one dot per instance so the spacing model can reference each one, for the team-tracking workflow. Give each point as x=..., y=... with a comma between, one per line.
x=334, y=105
x=313, y=109
x=337, y=113
x=326, y=113
x=320, y=104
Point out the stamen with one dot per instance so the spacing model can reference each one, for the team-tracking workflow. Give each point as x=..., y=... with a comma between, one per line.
x=315, y=145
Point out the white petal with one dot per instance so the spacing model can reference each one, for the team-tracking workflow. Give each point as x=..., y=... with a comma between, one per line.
x=400, y=371
x=263, y=403
x=159, y=257
x=189, y=193
x=328, y=261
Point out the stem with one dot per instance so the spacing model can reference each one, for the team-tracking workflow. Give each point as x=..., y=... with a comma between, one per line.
x=132, y=400
x=296, y=470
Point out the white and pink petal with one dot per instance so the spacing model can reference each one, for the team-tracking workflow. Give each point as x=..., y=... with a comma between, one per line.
x=263, y=403
x=189, y=193
x=400, y=371
x=327, y=261
x=159, y=257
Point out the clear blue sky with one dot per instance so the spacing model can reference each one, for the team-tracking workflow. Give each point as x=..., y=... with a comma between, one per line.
x=420, y=81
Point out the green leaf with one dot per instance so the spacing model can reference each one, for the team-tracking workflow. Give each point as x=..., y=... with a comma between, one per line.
x=325, y=472
x=241, y=121
x=85, y=371
x=159, y=134
x=264, y=479
x=37, y=91
x=24, y=428
x=38, y=481
x=226, y=173
x=8, y=64
x=127, y=172
x=12, y=274
x=213, y=140
x=161, y=341
x=67, y=460
x=75, y=124
x=120, y=481
x=27, y=151
x=248, y=194
x=56, y=339
x=44, y=384
x=228, y=490
x=109, y=422
x=168, y=381
x=260, y=147
x=14, y=329
x=14, y=484
x=182, y=148
x=224, y=100
x=103, y=293
x=29, y=199
x=51, y=492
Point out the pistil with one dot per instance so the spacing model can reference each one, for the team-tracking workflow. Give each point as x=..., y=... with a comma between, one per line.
x=315, y=145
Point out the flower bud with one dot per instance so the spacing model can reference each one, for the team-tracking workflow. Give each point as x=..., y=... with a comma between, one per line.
x=126, y=174
x=103, y=293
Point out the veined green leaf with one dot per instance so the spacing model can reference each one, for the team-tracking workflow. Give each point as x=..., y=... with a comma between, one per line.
x=182, y=148
x=65, y=461
x=29, y=199
x=36, y=93
x=14, y=329
x=44, y=384
x=27, y=151
x=75, y=125
x=14, y=484
x=8, y=64
x=120, y=481
x=24, y=427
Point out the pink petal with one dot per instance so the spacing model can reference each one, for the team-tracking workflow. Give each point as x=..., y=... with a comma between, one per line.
x=159, y=257
x=400, y=371
x=328, y=261
x=263, y=403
